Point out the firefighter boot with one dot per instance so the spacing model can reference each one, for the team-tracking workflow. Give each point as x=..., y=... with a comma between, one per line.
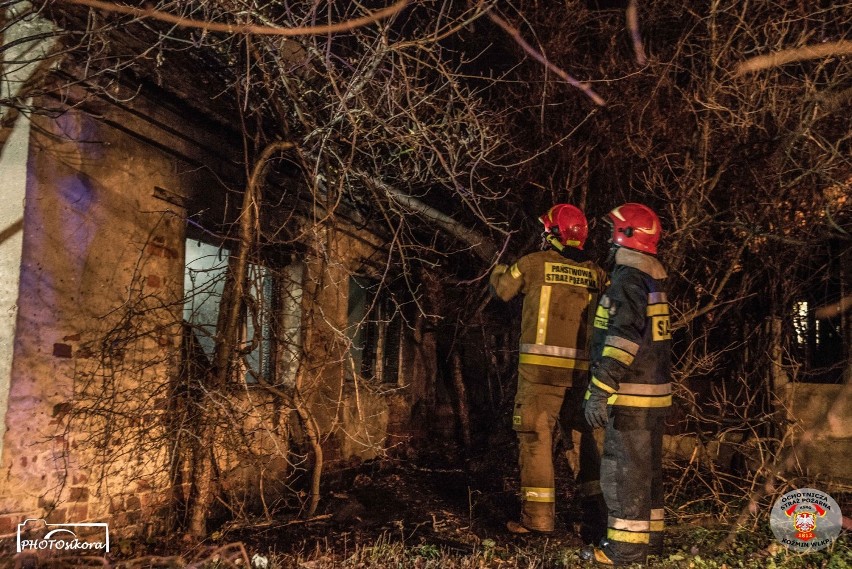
x=536, y=517
x=598, y=555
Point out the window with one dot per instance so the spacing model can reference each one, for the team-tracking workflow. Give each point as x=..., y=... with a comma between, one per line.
x=800, y=322
x=818, y=344
x=289, y=336
x=375, y=331
x=271, y=317
x=257, y=325
x=203, y=284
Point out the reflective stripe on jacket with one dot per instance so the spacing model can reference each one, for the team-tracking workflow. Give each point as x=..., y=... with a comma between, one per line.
x=560, y=295
x=631, y=344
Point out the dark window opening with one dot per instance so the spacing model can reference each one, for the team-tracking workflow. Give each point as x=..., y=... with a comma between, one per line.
x=375, y=332
x=818, y=344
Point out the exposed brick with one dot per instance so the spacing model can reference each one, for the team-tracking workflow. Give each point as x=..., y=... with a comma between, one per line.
x=80, y=479
x=78, y=512
x=159, y=239
x=8, y=524
x=79, y=494
x=62, y=350
x=134, y=517
x=143, y=484
x=133, y=503
x=24, y=462
x=61, y=409
x=163, y=340
x=71, y=338
x=153, y=281
x=152, y=501
x=57, y=516
x=45, y=503
x=116, y=504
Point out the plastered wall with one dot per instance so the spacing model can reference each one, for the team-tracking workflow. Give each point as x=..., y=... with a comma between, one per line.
x=97, y=327
x=97, y=330
x=13, y=165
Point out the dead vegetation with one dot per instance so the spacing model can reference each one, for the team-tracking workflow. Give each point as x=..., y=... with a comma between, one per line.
x=431, y=123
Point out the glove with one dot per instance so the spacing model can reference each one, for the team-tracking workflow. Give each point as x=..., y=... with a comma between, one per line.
x=495, y=274
x=595, y=407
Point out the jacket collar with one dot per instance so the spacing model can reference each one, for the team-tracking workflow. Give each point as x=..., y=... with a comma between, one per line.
x=640, y=261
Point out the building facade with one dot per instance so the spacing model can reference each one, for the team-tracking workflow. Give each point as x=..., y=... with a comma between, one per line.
x=114, y=259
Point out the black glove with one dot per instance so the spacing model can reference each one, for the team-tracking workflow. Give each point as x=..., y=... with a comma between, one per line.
x=596, y=407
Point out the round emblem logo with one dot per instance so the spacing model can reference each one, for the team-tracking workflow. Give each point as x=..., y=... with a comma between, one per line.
x=806, y=520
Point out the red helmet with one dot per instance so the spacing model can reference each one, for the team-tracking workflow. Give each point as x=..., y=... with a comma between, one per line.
x=567, y=223
x=636, y=226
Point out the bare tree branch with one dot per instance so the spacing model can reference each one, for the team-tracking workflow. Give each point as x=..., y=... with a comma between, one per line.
x=779, y=58
x=515, y=34
x=635, y=33
x=247, y=29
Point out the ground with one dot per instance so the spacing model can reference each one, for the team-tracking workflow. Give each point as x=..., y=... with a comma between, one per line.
x=428, y=513
x=444, y=511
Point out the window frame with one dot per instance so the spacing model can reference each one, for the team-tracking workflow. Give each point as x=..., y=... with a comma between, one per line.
x=369, y=331
x=278, y=302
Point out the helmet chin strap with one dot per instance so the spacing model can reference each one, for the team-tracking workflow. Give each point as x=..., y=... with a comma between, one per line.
x=554, y=242
x=610, y=257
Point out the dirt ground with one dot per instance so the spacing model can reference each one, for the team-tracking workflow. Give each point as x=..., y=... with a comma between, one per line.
x=437, y=499
x=440, y=500
x=441, y=506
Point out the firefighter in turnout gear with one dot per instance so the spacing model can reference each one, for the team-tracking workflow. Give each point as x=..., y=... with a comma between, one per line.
x=630, y=390
x=561, y=287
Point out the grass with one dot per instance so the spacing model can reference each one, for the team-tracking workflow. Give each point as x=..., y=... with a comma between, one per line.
x=686, y=548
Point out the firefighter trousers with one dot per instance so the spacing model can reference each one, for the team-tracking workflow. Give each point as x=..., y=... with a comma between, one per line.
x=538, y=406
x=631, y=480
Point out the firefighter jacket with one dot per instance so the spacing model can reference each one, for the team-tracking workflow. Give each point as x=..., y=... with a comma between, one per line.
x=560, y=292
x=631, y=341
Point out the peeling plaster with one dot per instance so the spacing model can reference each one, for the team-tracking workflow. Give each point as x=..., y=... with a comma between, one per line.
x=13, y=165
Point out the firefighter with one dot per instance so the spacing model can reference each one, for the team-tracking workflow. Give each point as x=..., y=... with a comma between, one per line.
x=630, y=390
x=561, y=287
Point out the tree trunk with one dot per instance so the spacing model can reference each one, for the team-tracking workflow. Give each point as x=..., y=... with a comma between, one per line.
x=226, y=352
x=778, y=377
x=461, y=397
